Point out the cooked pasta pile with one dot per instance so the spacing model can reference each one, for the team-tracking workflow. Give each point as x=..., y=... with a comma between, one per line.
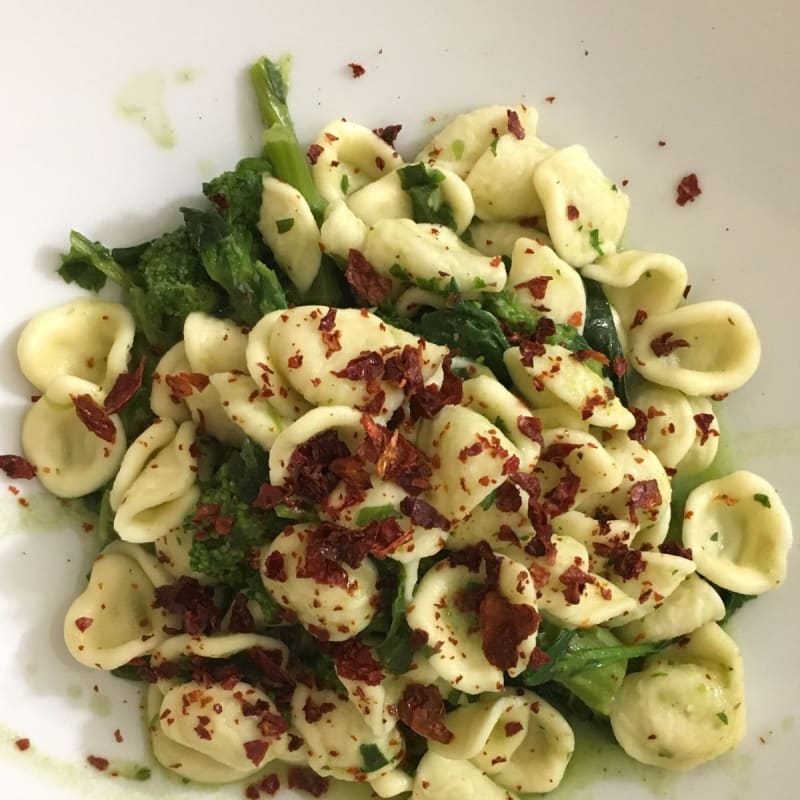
x=449, y=495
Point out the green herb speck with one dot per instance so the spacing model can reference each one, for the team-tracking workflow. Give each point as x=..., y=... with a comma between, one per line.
x=284, y=225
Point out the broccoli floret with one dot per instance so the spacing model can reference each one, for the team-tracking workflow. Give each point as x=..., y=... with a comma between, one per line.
x=227, y=494
x=237, y=193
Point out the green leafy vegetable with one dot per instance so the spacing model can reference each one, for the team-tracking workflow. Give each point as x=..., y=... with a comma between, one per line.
x=89, y=264
x=231, y=488
x=226, y=253
x=423, y=187
x=601, y=334
x=280, y=140
x=369, y=514
x=388, y=633
x=237, y=193
x=594, y=241
x=372, y=758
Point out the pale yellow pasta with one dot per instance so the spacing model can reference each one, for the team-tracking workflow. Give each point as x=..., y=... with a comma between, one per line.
x=586, y=212
x=635, y=280
x=339, y=611
x=460, y=143
x=86, y=338
x=425, y=253
x=341, y=231
x=493, y=238
x=702, y=349
x=288, y=228
x=739, y=532
x=351, y=156
x=501, y=181
x=559, y=292
x=686, y=706
x=115, y=619
x=70, y=459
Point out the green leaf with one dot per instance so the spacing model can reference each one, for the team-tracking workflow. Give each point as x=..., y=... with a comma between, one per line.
x=372, y=758
x=488, y=501
x=284, y=225
x=369, y=514
x=763, y=499
x=345, y=184
x=458, y=149
x=89, y=264
x=601, y=334
x=424, y=190
x=722, y=717
x=594, y=240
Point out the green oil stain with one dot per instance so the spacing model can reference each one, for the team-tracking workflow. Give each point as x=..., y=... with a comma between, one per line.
x=142, y=101
x=205, y=166
x=41, y=513
x=100, y=705
x=186, y=75
x=598, y=757
x=74, y=693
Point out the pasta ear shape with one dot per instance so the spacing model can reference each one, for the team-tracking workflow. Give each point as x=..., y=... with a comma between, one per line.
x=460, y=143
x=164, y=402
x=544, y=282
x=349, y=156
x=341, y=231
x=290, y=231
x=586, y=213
x=155, y=501
x=686, y=706
x=71, y=460
x=557, y=376
x=336, y=736
x=701, y=349
x=515, y=737
x=431, y=256
x=114, y=619
x=471, y=457
x=501, y=181
x=270, y=380
x=439, y=777
x=87, y=339
x=214, y=345
x=330, y=597
x=493, y=238
x=693, y=604
x=739, y=532
x=634, y=280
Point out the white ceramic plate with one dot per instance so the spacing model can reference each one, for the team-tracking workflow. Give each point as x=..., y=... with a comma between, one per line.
x=715, y=84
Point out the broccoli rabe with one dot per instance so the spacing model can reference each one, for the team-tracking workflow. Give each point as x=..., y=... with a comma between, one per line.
x=227, y=494
x=237, y=193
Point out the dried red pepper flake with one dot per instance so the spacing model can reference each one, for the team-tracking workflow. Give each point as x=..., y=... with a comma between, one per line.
x=367, y=366
x=240, y=619
x=309, y=466
x=405, y=369
x=619, y=366
x=182, y=384
x=275, y=567
x=688, y=189
x=364, y=280
x=269, y=496
x=538, y=659
x=508, y=499
x=704, y=423
x=572, y=213
x=193, y=602
x=575, y=580
x=354, y=661
x=17, y=468
x=530, y=349
x=100, y=764
x=356, y=69
x=562, y=496
x=270, y=784
x=83, y=623
x=422, y=709
x=352, y=471
x=388, y=133
x=504, y=626
x=550, y=98
x=530, y=427
x=638, y=318
x=627, y=562
x=512, y=728
x=314, y=152
x=537, y=286
x=379, y=163
x=22, y=744
x=95, y=418
x=664, y=344
x=305, y=779
x=584, y=354
x=125, y=387
x=255, y=750
x=430, y=400
x=673, y=548
x=638, y=432
x=644, y=495
x=295, y=361
x=423, y=514
x=514, y=125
